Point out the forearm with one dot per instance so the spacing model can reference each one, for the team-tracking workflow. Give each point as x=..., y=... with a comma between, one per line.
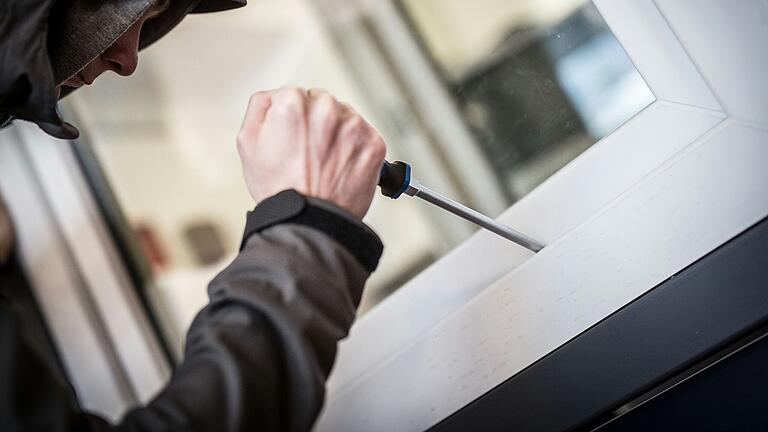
x=258, y=355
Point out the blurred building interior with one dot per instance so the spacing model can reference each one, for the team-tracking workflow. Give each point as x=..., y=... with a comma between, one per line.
x=486, y=98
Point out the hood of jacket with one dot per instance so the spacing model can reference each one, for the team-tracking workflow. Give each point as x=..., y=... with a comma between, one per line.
x=44, y=42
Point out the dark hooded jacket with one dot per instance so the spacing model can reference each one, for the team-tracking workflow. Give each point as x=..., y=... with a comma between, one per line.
x=257, y=356
x=44, y=42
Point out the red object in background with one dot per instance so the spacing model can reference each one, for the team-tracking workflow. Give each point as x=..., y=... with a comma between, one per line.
x=151, y=246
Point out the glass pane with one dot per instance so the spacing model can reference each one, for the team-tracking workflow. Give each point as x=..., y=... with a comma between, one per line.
x=538, y=82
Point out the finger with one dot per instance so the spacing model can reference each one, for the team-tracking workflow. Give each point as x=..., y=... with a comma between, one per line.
x=347, y=110
x=314, y=93
x=290, y=100
x=324, y=123
x=324, y=116
x=256, y=112
x=348, y=113
x=376, y=149
x=347, y=141
x=371, y=157
x=353, y=131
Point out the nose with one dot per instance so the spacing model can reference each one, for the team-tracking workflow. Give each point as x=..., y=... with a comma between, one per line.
x=123, y=56
x=123, y=64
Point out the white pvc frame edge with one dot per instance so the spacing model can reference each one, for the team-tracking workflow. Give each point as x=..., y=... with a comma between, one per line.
x=102, y=271
x=58, y=288
x=400, y=372
x=689, y=206
x=684, y=104
x=399, y=325
x=447, y=285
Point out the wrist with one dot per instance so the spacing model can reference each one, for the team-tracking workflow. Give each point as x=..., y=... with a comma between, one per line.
x=291, y=207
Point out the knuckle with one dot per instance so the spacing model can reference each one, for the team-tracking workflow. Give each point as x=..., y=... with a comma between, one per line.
x=356, y=123
x=298, y=92
x=242, y=150
x=259, y=98
x=330, y=121
x=318, y=92
x=348, y=109
x=242, y=141
x=377, y=150
x=255, y=98
x=294, y=92
x=326, y=105
x=291, y=98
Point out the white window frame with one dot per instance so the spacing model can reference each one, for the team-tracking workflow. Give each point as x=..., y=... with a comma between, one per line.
x=633, y=210
x=617, y=220
x=100, y=329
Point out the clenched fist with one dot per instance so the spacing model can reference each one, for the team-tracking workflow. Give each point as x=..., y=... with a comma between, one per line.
x=309, y=141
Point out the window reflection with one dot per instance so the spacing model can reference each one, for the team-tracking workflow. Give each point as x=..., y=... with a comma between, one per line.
x=538, y=82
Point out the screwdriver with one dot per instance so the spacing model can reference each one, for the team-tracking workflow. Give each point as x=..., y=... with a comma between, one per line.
x=395, y=179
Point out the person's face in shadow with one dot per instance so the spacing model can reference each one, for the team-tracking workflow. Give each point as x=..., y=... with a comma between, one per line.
x=122, y=57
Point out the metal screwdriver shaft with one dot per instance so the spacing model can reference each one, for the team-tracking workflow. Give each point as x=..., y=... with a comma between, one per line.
x=475, y=217
x=396, y=180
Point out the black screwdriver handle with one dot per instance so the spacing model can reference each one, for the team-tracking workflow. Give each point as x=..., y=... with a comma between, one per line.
x=394, y=178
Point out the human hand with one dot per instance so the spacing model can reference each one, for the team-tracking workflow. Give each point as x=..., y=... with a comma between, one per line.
x=310, y=142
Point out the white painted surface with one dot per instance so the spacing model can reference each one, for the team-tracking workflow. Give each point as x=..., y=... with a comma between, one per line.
x=656, y=52
x=58, y=288
x=728, y=41
x=89, y=243
x=447, y=337
x=563, y=202
x=687, y=208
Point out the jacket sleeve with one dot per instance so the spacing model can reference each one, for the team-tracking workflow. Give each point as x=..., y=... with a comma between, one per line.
x=257, y=356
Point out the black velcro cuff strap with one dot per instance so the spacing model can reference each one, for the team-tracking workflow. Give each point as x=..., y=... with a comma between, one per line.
x=291, y=207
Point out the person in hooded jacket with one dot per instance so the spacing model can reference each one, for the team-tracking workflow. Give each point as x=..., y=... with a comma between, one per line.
x=257, y=356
